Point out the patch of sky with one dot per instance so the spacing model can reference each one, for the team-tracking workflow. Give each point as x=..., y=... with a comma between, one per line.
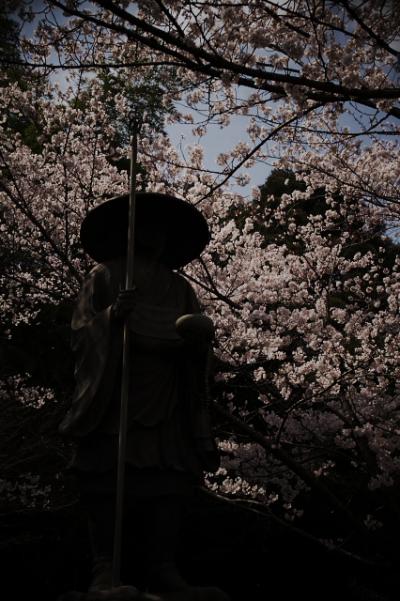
x=218, y=140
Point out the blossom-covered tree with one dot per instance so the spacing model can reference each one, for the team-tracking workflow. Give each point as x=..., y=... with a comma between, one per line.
x=323, y=73
x=301, y=280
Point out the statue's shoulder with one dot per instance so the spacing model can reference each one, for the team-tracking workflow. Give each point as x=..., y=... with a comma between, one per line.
x=105, y=271
x=187, y=291
x=181, y=281
x=101, y=282
x=97, y=270
x=95, y=277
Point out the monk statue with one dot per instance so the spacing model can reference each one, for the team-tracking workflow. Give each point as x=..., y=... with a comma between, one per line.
x=169, y=438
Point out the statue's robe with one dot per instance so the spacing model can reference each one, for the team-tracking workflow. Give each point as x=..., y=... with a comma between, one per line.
x=168, y=423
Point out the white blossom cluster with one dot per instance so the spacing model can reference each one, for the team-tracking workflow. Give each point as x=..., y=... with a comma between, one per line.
x=20, y=388
x=27, y=492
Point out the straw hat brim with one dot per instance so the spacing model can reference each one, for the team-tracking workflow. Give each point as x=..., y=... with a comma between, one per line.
x=187, y=229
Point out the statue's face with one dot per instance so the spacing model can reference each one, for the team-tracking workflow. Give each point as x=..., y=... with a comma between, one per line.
x=150, y=240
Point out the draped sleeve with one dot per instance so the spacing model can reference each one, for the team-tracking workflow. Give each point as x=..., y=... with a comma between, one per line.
x=97, y=352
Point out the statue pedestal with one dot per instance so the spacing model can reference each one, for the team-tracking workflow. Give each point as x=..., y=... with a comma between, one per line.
x=120, y=593
x=130, y=593
x=194, y=593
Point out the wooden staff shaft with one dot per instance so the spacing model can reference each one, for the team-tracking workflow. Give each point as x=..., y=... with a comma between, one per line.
x=125, y=384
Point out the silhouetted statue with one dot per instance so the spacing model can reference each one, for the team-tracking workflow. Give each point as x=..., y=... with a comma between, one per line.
x=169, y=439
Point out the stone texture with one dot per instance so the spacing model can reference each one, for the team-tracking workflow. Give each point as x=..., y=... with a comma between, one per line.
x=130, y=593
x=196, y=594
x=121, y=593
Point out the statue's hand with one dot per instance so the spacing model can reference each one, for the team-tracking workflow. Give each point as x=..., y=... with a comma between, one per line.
x=195, y=329
x=124, y=304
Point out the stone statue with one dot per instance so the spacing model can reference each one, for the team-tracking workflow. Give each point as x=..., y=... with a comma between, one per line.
x=169, y=439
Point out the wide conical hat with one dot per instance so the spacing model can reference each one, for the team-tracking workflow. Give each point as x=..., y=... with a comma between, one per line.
x=187, y=229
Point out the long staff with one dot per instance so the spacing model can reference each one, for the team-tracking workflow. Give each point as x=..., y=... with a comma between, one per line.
x=116, y=566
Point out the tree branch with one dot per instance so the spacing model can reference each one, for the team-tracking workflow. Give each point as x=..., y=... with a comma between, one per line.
x=183, y=49
x=256, y=149
x=380, y=42
x=272, y=449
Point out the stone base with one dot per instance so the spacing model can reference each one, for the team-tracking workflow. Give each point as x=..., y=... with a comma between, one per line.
x=196, y=593
x=120, y=593
x=130, y=593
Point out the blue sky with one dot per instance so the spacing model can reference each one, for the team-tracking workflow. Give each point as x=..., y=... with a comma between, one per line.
x=219, y=140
